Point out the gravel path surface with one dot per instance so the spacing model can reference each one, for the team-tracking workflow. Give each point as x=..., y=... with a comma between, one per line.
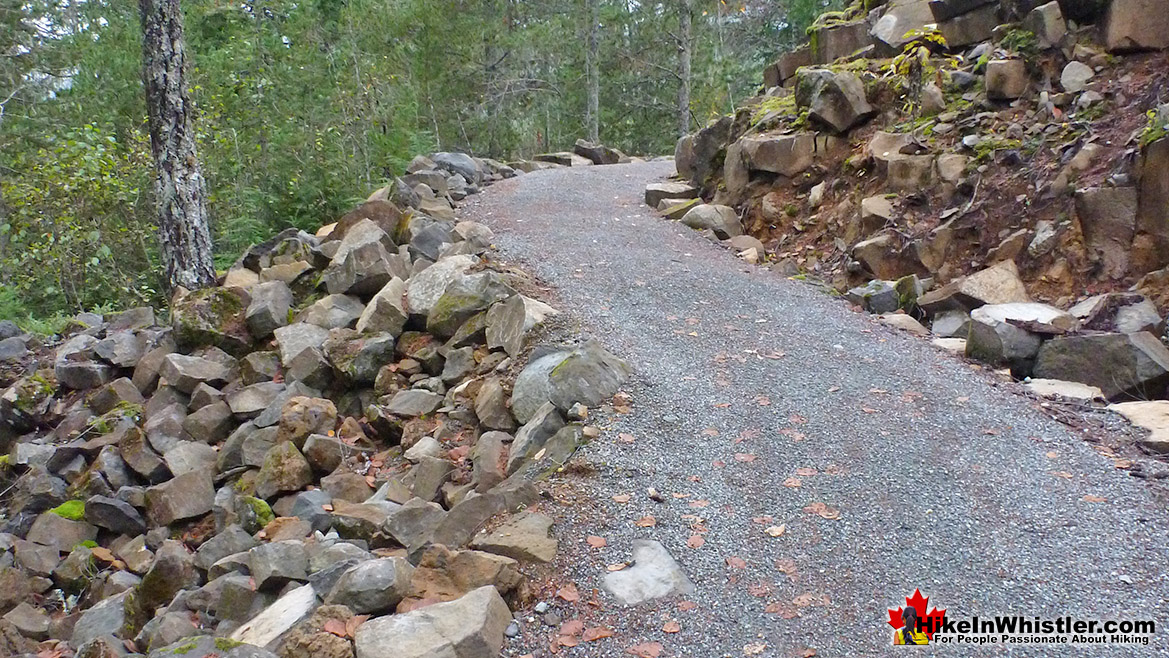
x=943, y=481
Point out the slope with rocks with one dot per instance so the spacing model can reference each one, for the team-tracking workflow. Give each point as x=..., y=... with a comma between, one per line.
x=318, y=457
x=912, y=145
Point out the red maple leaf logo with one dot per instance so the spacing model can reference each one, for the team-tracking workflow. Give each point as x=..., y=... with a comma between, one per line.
x=929, y=621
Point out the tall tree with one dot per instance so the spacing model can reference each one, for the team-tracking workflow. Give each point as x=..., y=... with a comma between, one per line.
x=594, y=77
x=178, y=184
x=685, y=51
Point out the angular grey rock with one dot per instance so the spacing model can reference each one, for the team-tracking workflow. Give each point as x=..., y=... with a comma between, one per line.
x=297, y=337
x=105, y=618
x=207, y=646
x=589, y=376
x=723, y=220
x=122, y=348
x=186, y=372
x=835, y=99
x=425, y=288
x=233, y=539
x=1132, y=366
x=413, y=524
x=190, y=456
x=114, y=515
x=654, y=574
x=655, y=193
x=468, y=627
x=464, y=298
x=186, y=496
x=429, y=476
x=459, y=364
x=273, y=565
x=268, y=311
x=266, y=628
x=531, y=389
x=210, y=424
x=1125, y=313
x=118, y=392
x=385, y=312
x=1006, y=79
x=1136, y=25
x=460, y=163
x=491, y=406
x=876, y=296
x=285, y=469
x=373, y=587
x=533, y=435
x=32, y=623
x=50, y=529
x=414, y=402
x=506, y=325
x=333, y=311
x=488, y=463
x=251, y=401
x=527, y=537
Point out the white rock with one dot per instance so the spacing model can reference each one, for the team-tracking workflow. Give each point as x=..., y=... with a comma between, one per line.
x=266, y=627
x=1057, y=388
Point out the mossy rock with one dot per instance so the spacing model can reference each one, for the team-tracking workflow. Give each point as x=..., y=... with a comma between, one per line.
x=74, y=510
x=213, y=317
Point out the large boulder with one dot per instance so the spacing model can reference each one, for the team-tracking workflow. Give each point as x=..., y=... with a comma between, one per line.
x=835, y=99
x=1153, y=202
x=722, y=220
x=597, y=153
x=589, y=374
x=460, y=163
x=1006, y=79
x=425, y=288
x=465, y=298
x=1122, y=312
x=186, y=496
x=655, y=193
x=900, y=17
x=373, y=587
x=965, y=22
x=468, y=627
x=213, y=317
x=836, y=40
x=1011, y=333
x=786, y=155
x=1108, y=217
x=1123, y=366
x=1134, y=25
x=999, y=284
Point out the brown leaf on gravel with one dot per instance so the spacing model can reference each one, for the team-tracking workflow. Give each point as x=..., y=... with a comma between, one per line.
x=596, y=633
x=823, y=510
x=809, y=599
x=745, y=457
x=1123, y=464
x=718, y=463
x=695, y=541
x=572, y=627
x=797, y=419
x=754, y=648
x=787, y=566
x=687, y=606
x=806, y=471
x=621, y=498
x=699, y=503
x=104, y=554
x=671, y=627
x=620, y=566
x=646, y=650
x=625, y=438
x=792, y=483
x=647, y=522
x=809, y=652
x=762, y=519
x=1062, y=474
x=1094, y=499
x=569, y=593
x=568, y=641
x=763, y=400
x=783, y=609
x=795, y=435
x=1051, y=454
x=736, y=562
x=596, y=542
x=710, y=431
x=868, y=410
x=759, y=590
x=722, y=405
x=776, y=530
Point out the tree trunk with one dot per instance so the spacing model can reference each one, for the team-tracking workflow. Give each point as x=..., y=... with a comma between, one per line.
x=594, y=77
x=178, y=183
x=685, y=44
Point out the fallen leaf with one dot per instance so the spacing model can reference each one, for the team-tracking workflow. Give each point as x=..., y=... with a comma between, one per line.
x=809, y=599
x=647, y=522
x=794, y=434
x=596, y=633
x=336, y=627
x=621, y=498
x=567, y=641
x=687, y=606
x=1094, y=499
x=1123, y=464
x=646, y=650
x=722, y=405
x=568, y=593
x=759, y=590
x=718, y=463
x=868, y=410
x=792, y=483
x=354, y=623
x=754, y=649
x=625, y=438
x=762, y=519
x=695, y=541
x=699, y=503
x=572, y=627
x=745, y=457
x=710, y=431
x=736, y=562
x=671, y=627
x=104, y=554
x=776, y=530
x=785, y=610
x=1051, y=454
x=878, y=391
x=833, y=389
x=797, y=419
x=620, y=566
x=763, y=400
x=806, y=471
x=596, y=542
x=823, y=510
x=787, y=566
x=1062, y=474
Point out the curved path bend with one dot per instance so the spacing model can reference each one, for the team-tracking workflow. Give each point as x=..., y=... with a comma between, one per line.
x=942, y=481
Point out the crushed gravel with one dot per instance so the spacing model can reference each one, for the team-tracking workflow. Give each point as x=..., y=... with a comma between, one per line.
x=943, y=480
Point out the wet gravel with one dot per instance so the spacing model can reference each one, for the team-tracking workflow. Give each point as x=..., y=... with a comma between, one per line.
x=943, y=480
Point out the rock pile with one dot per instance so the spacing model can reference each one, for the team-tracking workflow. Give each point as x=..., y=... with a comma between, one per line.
x=299, y=463
x=963, y=161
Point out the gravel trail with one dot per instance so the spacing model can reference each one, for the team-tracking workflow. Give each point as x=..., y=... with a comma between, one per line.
x=943, y=480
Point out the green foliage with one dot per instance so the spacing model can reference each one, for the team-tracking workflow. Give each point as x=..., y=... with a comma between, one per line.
x=1021, y=41
x=1157, y=126
x=74, y=510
